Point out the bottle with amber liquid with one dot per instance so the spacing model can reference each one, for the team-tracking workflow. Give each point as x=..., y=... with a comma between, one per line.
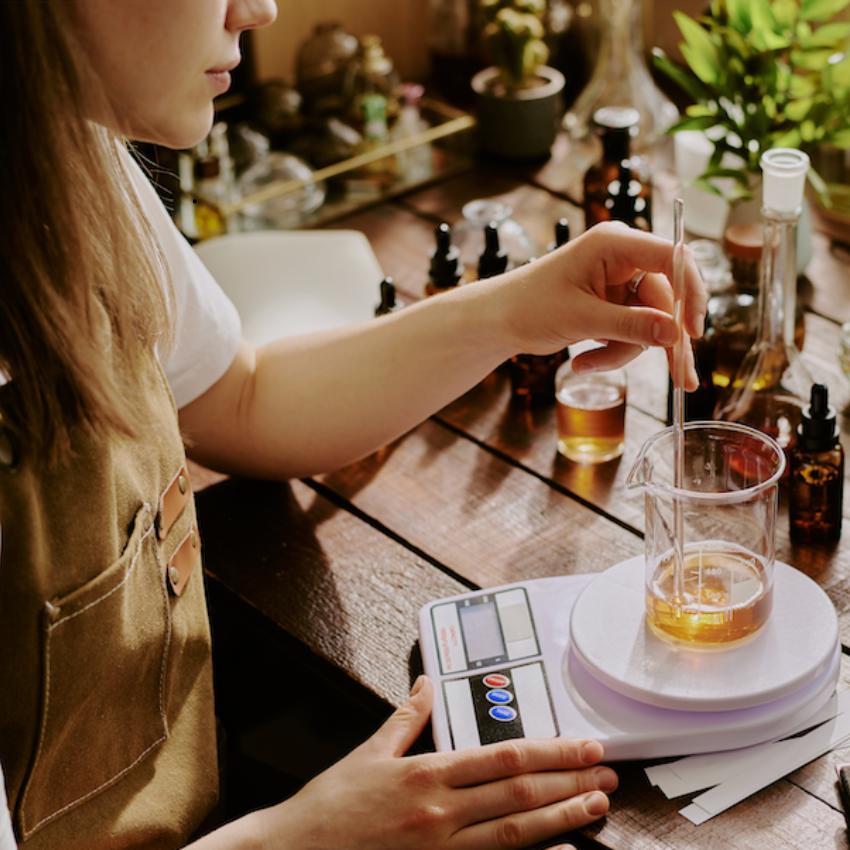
x=733, y=317
x=772, y=384
x=614, y=126
x=626, y=200
x=533, y=375
x=446, y=269
x=817, y=474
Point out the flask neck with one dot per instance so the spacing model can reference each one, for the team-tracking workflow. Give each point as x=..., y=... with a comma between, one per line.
x=622, y=33
x=778, y=280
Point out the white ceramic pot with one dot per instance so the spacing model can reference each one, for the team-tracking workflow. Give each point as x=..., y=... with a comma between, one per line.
x=522, y=124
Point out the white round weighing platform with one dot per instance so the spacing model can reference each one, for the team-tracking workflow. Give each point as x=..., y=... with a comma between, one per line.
x=795, y=648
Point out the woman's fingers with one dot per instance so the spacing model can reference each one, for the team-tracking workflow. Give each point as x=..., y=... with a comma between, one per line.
x=636, y=324
x=512, y=758
x=613, y=355
x=530, y=791
x=691, y=377
x=523, y=829
x=405, y=724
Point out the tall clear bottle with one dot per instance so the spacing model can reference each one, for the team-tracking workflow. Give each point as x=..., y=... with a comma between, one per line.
x=772, y=384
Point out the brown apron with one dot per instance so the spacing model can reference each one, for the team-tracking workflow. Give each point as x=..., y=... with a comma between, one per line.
x=107, y=733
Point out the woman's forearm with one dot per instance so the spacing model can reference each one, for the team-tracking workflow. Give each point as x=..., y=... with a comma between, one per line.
x=310, y=404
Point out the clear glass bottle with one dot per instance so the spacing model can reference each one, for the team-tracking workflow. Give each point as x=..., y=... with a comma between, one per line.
x=772, y=384
x=621, y=77
x=321, y=67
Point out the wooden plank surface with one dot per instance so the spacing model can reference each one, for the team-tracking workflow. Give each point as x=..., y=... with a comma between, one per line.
x=479, y=496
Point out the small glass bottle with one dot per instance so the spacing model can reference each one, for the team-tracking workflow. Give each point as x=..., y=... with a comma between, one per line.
x=817, y=474
x=388, y=303
x=493, y=260
x=772, y=384
x=446, y=268
x=626, y=200
x=591, y=411
x=533, y=375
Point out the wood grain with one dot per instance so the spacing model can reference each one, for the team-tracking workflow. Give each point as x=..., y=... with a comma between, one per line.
x=344, y=589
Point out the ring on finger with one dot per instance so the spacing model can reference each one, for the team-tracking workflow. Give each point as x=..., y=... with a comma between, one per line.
x=635, y=281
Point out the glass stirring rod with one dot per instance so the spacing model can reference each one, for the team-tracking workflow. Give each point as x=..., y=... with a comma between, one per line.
x=679, y=397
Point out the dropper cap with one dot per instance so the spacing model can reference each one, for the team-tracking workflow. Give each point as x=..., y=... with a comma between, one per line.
x=816, y=432
x=446, y=269
x=493, y=259
x=562, y=234
x=783, y=179
x=388, y=301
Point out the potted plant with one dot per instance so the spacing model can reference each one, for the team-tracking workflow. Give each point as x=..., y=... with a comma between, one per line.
x=518, y=100
x=763, y=74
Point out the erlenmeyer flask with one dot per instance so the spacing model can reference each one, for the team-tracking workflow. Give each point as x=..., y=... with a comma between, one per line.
x=621, y=77
x=772, y=384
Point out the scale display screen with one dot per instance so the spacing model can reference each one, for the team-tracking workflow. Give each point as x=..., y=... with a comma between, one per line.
x=481, y=631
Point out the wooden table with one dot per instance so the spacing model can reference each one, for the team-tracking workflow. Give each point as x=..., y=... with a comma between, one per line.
x=477, y=496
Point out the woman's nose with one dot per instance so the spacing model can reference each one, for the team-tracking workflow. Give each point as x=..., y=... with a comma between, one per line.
x=250, y=14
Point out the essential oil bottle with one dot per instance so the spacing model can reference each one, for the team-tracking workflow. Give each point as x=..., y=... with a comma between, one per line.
x=817, y=474
x=493, y=260
x=388, y=302
x=446, y=268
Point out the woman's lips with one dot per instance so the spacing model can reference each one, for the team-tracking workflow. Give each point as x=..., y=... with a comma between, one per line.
x=220, y=80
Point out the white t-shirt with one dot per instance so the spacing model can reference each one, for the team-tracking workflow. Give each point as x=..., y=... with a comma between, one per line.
x=207, y=334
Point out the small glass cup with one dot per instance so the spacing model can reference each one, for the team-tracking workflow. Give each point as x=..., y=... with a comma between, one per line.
x=591, y=413
x=728, y=502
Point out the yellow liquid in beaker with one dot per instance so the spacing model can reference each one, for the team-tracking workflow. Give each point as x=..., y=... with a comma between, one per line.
x=727, y=597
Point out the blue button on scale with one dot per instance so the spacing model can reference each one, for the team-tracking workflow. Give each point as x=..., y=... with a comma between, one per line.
x=502, y=713
x=499, y=696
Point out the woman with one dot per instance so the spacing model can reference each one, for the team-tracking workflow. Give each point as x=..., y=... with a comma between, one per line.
x=116, y=347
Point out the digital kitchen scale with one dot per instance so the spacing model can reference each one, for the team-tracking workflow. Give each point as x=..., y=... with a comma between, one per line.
x=572, y=656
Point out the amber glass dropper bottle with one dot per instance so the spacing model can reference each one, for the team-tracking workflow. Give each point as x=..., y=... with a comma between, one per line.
x=817, y=474
x=388, y=303
x=446, y=268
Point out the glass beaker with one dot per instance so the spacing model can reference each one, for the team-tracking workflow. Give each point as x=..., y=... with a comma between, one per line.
x=728, y=500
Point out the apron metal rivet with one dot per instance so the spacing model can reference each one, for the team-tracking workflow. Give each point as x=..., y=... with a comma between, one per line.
x=182, y=483
x=174, y=575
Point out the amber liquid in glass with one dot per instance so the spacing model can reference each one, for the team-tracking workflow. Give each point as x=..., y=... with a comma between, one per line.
x=591, y=420
x=727, y=597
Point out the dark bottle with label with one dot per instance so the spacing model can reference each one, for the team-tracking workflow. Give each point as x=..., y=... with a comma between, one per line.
x=388, y=303
x=493, y=260
x=615, y=126
x=533, y=375
x=817, y=474
x=446, y=269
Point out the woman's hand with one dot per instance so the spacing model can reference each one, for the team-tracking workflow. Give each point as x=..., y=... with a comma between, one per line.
x=586, y=290
x=511, y=794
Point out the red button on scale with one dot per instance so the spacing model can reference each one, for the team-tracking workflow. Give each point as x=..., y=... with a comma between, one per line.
x=496, y=680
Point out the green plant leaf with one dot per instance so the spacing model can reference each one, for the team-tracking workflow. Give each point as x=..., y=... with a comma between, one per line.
x=829, y=35
x=762, y=16
x=739, y=15
x=790, y=139
x=699, y=110
x=822, y=10
x=811, y=60
x=837, y=73
x=682, y=77
x=699, y=50
x=802, y=86
x=785, y=12
x=702, y=122
x=739, y=176
x=797, y=110
x=708, y=186
x=841, y=139
x=819, y=185
x=765, y=41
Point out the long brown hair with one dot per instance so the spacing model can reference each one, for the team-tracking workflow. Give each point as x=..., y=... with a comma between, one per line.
x=81, y=281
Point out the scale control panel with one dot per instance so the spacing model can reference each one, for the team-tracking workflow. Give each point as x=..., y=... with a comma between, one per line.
x=491, y=638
